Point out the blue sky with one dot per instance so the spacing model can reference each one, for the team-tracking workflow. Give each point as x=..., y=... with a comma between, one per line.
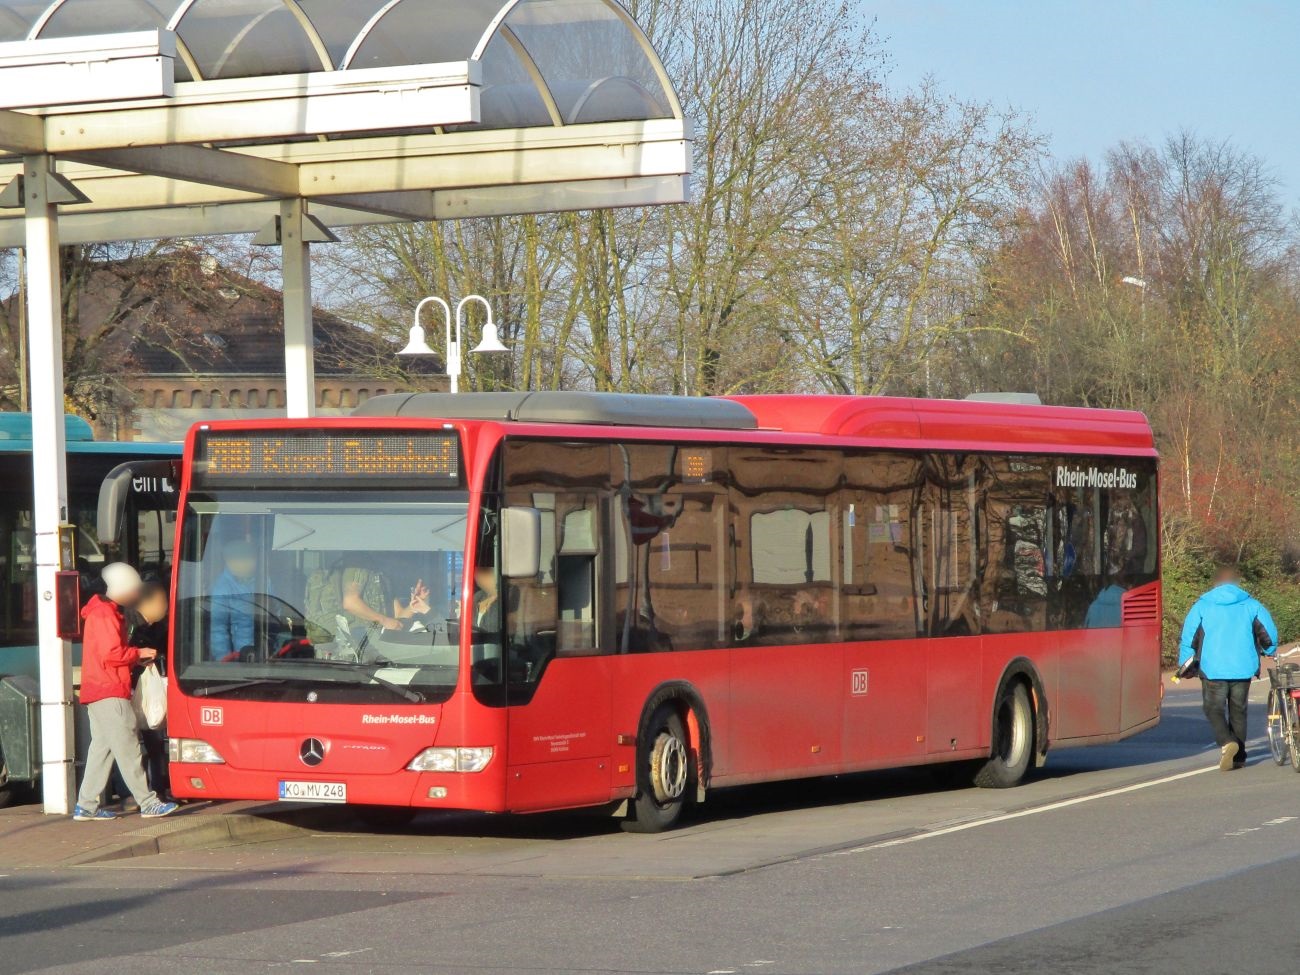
x=1093, y=72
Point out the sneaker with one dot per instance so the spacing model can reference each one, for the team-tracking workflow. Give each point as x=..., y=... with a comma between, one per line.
x=158, y=809
x=1227, y=756
x=98, y=816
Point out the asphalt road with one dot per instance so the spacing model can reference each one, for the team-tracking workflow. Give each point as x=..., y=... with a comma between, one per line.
x=1140, y=857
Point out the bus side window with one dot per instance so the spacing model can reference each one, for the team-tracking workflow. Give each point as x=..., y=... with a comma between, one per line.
x=879, y=508
x=1014, y=591
x=672, y=541
x=950, y=566
x=788, y=566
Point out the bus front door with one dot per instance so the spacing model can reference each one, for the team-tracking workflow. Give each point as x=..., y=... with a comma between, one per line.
x=559, y=737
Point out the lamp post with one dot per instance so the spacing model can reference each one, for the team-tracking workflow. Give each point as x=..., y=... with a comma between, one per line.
x=1133, y=281
x=1143, y=286
x=419, y=344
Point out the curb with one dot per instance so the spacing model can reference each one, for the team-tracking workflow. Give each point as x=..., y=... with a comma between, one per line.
x=219, y=829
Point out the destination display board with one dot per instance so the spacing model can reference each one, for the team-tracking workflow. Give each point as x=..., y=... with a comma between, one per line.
x=286, y=459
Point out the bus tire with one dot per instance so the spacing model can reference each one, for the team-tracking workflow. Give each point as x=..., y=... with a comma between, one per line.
x=1013, y=740
x=665, y=774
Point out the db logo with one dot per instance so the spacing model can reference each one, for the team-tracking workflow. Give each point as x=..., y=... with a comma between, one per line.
x=859, y=683
x=210, y=716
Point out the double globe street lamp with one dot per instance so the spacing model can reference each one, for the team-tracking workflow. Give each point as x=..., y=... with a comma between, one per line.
x=419, y=344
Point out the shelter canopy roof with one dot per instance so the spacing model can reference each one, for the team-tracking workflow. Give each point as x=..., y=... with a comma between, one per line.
x=584, y=59
x=375, y=109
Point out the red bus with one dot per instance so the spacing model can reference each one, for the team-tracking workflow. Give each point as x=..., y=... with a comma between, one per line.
x=537, y=601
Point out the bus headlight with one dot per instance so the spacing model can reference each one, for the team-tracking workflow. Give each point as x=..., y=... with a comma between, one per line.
x=193, y=751
x=451, y=760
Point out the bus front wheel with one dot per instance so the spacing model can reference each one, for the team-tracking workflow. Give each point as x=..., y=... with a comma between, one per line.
x=665, y=774
x=1013, y=740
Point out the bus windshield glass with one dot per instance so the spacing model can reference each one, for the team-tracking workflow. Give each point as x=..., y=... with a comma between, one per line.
x=351, y=600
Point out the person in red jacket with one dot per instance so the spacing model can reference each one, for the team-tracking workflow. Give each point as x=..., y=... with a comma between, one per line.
x=106, y=662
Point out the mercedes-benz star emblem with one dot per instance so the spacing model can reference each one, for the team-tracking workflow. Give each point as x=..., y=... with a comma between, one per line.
x=312, y=752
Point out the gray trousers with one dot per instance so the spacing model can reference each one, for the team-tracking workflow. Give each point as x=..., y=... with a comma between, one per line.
x=114, y=737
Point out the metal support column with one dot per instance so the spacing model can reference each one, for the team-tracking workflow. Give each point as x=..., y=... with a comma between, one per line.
x=49, y=470
x=299, y=352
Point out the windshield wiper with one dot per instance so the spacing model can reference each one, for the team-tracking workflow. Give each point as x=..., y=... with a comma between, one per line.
x=236, y=685
x=415, y=697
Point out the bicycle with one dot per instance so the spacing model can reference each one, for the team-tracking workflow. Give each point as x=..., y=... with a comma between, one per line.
x=1284, y=713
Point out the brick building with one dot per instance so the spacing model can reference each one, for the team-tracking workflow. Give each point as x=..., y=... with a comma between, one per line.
x=157, y=343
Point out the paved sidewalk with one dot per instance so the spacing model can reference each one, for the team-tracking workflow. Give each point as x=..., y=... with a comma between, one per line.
x=29, y=839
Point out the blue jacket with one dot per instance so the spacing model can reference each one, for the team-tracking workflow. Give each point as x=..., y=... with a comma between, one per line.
x=1225, y=617
x=232, y=615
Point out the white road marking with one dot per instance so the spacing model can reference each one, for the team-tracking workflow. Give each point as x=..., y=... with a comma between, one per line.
x=1280, y=821
x=1004, y=817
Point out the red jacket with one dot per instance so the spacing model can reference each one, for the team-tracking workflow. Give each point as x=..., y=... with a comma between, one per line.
x=106, y=659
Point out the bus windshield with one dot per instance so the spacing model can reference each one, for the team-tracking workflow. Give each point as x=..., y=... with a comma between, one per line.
x=352, y=599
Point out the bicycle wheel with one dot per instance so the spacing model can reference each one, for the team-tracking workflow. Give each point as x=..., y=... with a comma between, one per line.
x=1279, y=740
x=1292, y=729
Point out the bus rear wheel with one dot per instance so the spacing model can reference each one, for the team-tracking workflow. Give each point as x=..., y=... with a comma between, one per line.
x=665, y=774
x=1013, y=740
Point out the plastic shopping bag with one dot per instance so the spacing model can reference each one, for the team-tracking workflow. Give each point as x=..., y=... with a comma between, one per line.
x=150, y=698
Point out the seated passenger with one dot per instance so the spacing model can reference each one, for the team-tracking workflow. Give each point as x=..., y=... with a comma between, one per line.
x=487, y=601
x=1107, y=610
x=366, y=602
x=343, y=604
x=232, y=602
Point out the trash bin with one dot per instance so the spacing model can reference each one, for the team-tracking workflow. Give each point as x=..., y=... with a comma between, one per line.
x=20, y=735
x=20, y=743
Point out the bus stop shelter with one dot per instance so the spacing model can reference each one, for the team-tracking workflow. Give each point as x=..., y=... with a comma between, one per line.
x=142, y=119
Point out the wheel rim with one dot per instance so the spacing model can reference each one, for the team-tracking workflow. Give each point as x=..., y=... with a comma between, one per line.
x=1278, y=739
x=669, y=768
x=1014, y=731
x=1290, y=729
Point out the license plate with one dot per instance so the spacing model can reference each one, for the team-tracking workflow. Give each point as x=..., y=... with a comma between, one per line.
x=313, y=792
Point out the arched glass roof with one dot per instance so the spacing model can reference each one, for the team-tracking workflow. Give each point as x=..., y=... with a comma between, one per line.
x=183, y=117
x=544, y=62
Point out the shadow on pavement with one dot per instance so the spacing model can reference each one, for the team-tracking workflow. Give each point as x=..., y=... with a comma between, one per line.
x=1181, y=734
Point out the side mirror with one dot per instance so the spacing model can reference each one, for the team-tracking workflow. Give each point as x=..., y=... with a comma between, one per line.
x=521, y=542
x=151, y=483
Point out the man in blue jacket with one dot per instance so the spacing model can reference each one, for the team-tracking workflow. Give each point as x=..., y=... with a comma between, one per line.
x=1229, y=628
